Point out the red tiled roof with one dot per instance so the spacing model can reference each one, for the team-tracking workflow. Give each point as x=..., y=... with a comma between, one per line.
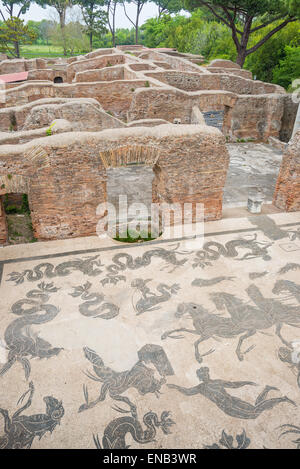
x=12, y=77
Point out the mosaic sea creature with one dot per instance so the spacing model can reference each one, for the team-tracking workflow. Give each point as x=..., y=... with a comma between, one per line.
x=116, y=431
x=21, y=343
x=21, y=430
x=139, y=377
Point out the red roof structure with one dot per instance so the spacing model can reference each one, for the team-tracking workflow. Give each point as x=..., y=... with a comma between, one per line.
x=13, y=77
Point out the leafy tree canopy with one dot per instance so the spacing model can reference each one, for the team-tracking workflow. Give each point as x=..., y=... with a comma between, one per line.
x=239, y=16
x=14, y=32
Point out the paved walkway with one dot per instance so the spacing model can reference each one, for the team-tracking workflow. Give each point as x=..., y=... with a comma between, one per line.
x=251, y=165
x=196, y=342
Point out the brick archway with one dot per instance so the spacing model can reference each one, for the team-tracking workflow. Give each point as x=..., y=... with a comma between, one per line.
x=14, y=183
x=130, y=155
x=9, y=184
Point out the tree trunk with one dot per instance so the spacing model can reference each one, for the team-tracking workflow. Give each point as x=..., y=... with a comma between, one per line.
x=137, y=26
x=17, y=49
x=242, y=54
x=114, y=25
x=91, y=41
x=62, y=20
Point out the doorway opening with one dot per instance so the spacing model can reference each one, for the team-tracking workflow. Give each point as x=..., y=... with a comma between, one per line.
x=18, y=218
x=58, y=80
x=129, y=194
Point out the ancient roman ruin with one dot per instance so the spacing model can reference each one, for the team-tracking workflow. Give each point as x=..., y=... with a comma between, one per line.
x=159, y=344
x=68, y=125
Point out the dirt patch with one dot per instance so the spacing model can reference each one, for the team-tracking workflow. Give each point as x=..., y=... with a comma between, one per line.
x=19, y=228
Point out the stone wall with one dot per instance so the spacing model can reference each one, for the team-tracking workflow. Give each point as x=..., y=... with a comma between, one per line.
x=258, y=117
x=103, y=74
x=176, y=63
x=67, y=179
x=93, y=63
x=288, y=118
x=287, y=192
x=115, y=96
x=12, y=66
x=21, y=65
x=232, y=71
x=168, y=104
x=83, y=115
x=21, y=112
x=46, y=74
x=193, y=82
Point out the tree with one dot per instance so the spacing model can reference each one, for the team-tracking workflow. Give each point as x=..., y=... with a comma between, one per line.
x=94, y=17
x=14, y=32
x=75, y=40
x=61, y=7
x=139, y=6
x=245, y=17
x=168, y=6
x=46, y=28
x=111, y=10
x=263, y=62
x=289, y=68
x=14, y=8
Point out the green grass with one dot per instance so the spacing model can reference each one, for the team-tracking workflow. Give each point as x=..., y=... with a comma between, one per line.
x=41, y=50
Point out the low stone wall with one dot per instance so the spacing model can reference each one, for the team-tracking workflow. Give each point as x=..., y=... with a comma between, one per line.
x=83, y=115
x=169, y=104
x=194, y=82
x=176, y=63
x=46, y=74
x=287, y=192
x=67, y=179
x=21, y=65
x=104, y=74
x=224, y=64
x=114, y=97
x=21, y=112
x=232, y=71
x=12, y=66
x=93, y=63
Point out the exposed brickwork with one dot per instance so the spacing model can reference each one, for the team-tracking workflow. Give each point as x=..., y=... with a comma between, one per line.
x=287, y=192
x=63, y=197
x=112, y=110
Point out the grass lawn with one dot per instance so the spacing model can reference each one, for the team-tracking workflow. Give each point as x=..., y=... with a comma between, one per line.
x=40, y=50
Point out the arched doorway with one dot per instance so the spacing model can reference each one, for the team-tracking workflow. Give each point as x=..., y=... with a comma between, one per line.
x=58, y=80
x=15, y=214
x=129, y=189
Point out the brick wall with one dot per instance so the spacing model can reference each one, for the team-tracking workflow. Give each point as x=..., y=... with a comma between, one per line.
x=64, y=194
x=287, y=192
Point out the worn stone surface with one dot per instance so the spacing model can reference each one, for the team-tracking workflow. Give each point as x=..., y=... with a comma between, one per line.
x=108, y=315
x=251, y=166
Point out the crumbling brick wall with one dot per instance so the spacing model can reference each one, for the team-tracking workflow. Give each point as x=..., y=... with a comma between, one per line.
x=66, y=186
x=287, y=192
